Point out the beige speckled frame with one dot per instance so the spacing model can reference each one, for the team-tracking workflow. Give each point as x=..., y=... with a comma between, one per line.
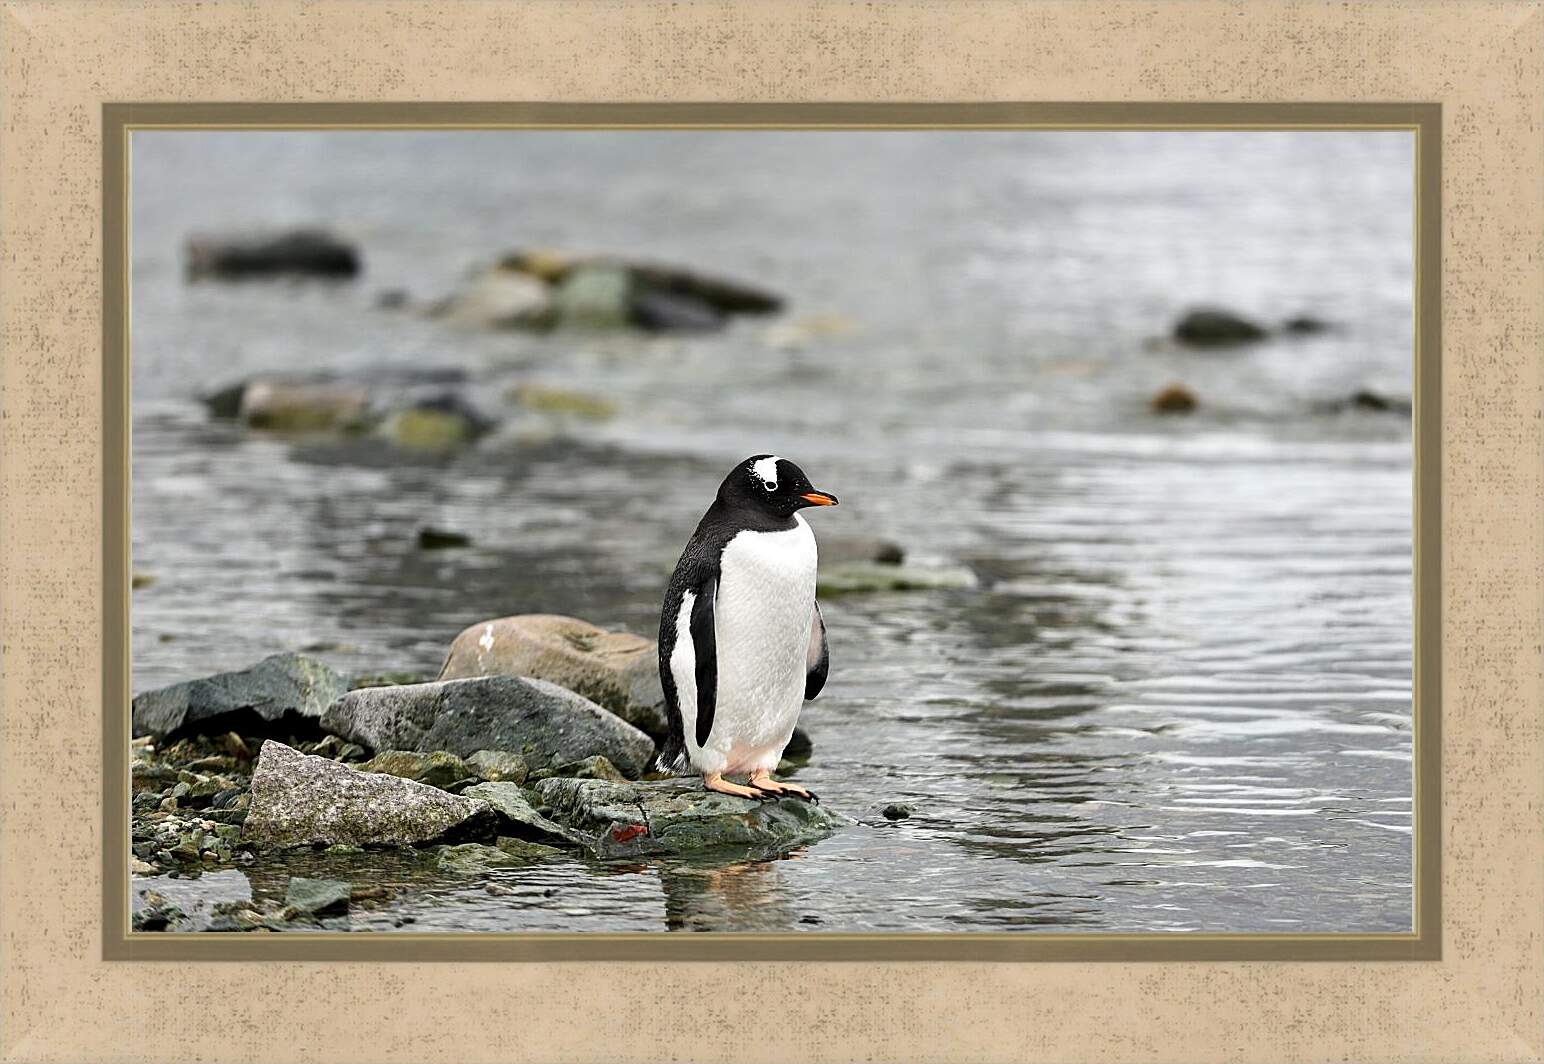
x=1472, y=981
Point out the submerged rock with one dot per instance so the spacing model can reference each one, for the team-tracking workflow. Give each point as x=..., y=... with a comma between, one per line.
x=655, y=311
x=442, y=539
x=836, y=550
x=318, y=406
x=316, y=896
x=613, y=293
x=616, y=670
x=500, y=298
x=595, y=295
x=285, y=691
x=298, y=252
x=545, y=724
x=1174, y=399
x=435, y=424
x=469, y=858
x=439, y=768
x=302, y=800
x=679, y=816
x=1210, y=327
x=861, y=577
x=897, y=811
x=1367, y=399
x=1304, y=325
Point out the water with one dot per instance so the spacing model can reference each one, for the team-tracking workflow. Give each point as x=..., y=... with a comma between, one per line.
x=1179, y=702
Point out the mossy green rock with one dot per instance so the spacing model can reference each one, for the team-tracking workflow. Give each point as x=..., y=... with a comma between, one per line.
x=472, y=857
x=317, y=895
x=438, y=768
x=680, y=816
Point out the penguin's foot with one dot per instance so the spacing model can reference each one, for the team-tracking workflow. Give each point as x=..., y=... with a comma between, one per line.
x=764, y=782
x=714, y=781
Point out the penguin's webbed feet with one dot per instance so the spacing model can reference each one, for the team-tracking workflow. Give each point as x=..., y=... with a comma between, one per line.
x=764, y=782
x=715, y=781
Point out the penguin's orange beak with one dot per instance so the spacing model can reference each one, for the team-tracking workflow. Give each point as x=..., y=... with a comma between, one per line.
x=819, y=498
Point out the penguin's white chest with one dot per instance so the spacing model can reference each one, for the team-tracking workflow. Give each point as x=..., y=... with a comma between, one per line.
x=766, y=604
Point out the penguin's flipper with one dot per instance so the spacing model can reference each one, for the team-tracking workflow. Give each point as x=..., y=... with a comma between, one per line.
x=705, y=650
x=817, y=659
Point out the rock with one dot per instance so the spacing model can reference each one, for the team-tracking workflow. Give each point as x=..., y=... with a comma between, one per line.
x=616, y=670
x=656, y=311
x=160, y=917
x=150, y=777
x=897, y=811
x=859, y=577
x=299, y=800
x=519, y=818
x=595, y=295
x=439, y=768
x=800, y=745
x=435, y=424
x=1216, y=328
x=544, y=723
x=545, y=264
x=140, y=581
x=470, y=858
x=499, y=766
x=442, y=539
x=285, y=691
x=318, y=406
x=718, y=293
x=1304, y=325
x=561, y=403
x=838, y=550
x=387, y=679
x=316, y=896
x=591, y=768
x=679, y=816
x=141, y=868
x=501, y=298
x=298, y=252
x=1366, y=399
x=1174, y=399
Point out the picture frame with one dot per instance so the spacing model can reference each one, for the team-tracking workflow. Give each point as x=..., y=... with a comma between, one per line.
x=1101, y=997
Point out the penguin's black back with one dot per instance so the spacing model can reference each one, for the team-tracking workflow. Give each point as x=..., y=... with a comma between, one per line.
x=698, y=565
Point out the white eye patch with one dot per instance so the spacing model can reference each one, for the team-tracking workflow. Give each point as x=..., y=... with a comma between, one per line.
x=766, y=469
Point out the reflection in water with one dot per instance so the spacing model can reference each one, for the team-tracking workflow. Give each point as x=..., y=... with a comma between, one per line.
x=1180, y=699
x=748, y=896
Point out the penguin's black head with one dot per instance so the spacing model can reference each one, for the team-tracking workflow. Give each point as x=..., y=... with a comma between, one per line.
x=772, y=485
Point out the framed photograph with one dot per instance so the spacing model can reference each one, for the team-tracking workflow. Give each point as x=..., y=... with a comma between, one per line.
x=1033, y=576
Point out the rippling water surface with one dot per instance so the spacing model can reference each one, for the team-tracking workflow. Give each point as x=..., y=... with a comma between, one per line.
x=1180, y=699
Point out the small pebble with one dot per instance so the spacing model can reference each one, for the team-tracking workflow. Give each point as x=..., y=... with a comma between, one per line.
x=898, y=811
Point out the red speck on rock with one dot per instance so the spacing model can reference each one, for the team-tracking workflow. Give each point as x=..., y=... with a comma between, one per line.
x=627, y=832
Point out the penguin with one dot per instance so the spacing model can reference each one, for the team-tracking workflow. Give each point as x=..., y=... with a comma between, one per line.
x=742, y=644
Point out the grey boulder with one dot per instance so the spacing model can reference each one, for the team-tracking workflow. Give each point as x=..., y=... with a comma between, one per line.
x=301, y=800
x=280, y=691
x=545, y=724
x=680, y=816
